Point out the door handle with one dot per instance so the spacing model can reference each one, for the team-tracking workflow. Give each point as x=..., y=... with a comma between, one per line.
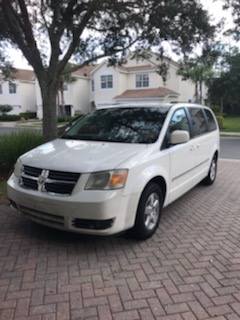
x=192, y=148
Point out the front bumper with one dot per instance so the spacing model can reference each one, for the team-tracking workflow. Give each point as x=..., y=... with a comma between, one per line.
x=90, y=212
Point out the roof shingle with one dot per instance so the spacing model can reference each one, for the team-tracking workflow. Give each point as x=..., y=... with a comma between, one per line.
x=84, y=71
x=160, y=92
x=24, y=75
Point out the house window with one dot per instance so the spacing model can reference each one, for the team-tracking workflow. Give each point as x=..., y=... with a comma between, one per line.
x=1, y=90
x=65, y=86
x=142, y=80
x=93, y=85
x=12, y=88
x=107, y=82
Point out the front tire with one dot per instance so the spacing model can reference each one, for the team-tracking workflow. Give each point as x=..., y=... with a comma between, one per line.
x=148, y=212
x=212, y=173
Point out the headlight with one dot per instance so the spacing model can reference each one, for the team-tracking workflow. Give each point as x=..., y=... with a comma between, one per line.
x=107, y=180
x=18, y=168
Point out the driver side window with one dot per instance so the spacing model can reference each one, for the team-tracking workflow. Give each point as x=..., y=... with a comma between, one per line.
x=179, y=121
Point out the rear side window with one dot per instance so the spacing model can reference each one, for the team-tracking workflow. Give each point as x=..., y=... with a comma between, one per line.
x=199, y=124
x=211, y=121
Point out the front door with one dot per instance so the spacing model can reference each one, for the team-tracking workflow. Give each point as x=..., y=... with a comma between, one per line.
x=181, y=157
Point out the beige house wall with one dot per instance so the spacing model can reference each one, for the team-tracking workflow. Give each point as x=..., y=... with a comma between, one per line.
x=126, y=80
x=77, y=95
x=21, y=101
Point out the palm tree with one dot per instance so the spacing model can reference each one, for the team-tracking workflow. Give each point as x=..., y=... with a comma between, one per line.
x=200, y=73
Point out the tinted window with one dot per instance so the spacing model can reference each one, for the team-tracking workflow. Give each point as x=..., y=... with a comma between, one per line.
x=211, y=121
x=127, y=125
x=199, y=124
x=179, y=121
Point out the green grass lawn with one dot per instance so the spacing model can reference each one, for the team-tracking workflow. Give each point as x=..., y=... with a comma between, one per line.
x=231, y=124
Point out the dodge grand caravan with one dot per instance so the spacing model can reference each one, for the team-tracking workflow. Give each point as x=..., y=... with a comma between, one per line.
x=116, y=168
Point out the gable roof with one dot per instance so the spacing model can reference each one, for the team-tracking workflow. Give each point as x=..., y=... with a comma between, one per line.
x=137, y=68
x=23, y=75
x=160, y=92
x=151, y=65
x=29, y=75
x=84, y=71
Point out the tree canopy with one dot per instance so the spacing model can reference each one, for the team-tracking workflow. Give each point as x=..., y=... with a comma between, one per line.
x=50, y=33
x=224, y=90
x=199, y=69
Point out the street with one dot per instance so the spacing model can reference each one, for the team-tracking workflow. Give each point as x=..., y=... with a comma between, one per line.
x=230, y=148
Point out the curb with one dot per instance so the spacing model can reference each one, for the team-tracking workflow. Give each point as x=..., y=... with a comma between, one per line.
x=230, y=134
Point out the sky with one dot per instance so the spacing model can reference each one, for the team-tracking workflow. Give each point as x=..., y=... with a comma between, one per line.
x=213, y=6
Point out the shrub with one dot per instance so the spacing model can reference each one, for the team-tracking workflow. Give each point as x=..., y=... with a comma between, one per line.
x=220, y=120
x=5, y=108
x=216, y=109
x=14, y=145
x=65, y=119
x=9, y=117
x=28, y=115
x=70, y=119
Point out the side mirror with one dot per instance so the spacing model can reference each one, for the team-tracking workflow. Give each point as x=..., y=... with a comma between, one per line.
x=179, y=137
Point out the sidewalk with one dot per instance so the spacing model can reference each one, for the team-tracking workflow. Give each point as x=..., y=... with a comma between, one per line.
x=33, y=124
x=230, y=134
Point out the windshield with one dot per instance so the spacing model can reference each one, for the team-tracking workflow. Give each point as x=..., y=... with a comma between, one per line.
x=126, y=125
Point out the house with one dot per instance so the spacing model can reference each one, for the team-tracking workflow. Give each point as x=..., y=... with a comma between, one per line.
x=19, y=92
x=138, y=80
x=92, y=86
x=75, y=96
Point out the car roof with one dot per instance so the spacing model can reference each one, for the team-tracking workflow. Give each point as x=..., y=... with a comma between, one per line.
x=136, y=105
x=152, y=105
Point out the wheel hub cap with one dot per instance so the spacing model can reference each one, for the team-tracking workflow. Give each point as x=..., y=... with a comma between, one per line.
x=213, y=170
x=151, y=213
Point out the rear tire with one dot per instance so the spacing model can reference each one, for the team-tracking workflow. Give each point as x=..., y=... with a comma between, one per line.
x=148, y=212
x=212, y=173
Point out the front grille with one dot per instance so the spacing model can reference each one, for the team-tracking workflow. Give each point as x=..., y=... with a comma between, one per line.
x=61, y=188
x=29, y=183
x=41, y=216
x=31, y=171
x=51, y=181
x=92, y=224
x=67, y=176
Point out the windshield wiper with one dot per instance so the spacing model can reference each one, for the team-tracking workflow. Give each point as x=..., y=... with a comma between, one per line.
x=71, y=137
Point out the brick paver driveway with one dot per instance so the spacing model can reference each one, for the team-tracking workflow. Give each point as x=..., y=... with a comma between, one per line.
x=189, y=270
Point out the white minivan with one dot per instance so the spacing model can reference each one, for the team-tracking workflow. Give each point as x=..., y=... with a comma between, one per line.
x=117, y=167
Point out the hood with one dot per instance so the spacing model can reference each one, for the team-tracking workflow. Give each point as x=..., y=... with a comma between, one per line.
x=80, y=156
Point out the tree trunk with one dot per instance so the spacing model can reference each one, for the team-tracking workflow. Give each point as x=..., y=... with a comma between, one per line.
x=201, y=92
x=196, y=92
x=49, y=105
x=221, y=105
x=62, y=101
x=62, y=97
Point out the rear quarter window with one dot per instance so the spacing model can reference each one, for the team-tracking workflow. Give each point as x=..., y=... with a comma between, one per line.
x=198, y=121
x=212, y=126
